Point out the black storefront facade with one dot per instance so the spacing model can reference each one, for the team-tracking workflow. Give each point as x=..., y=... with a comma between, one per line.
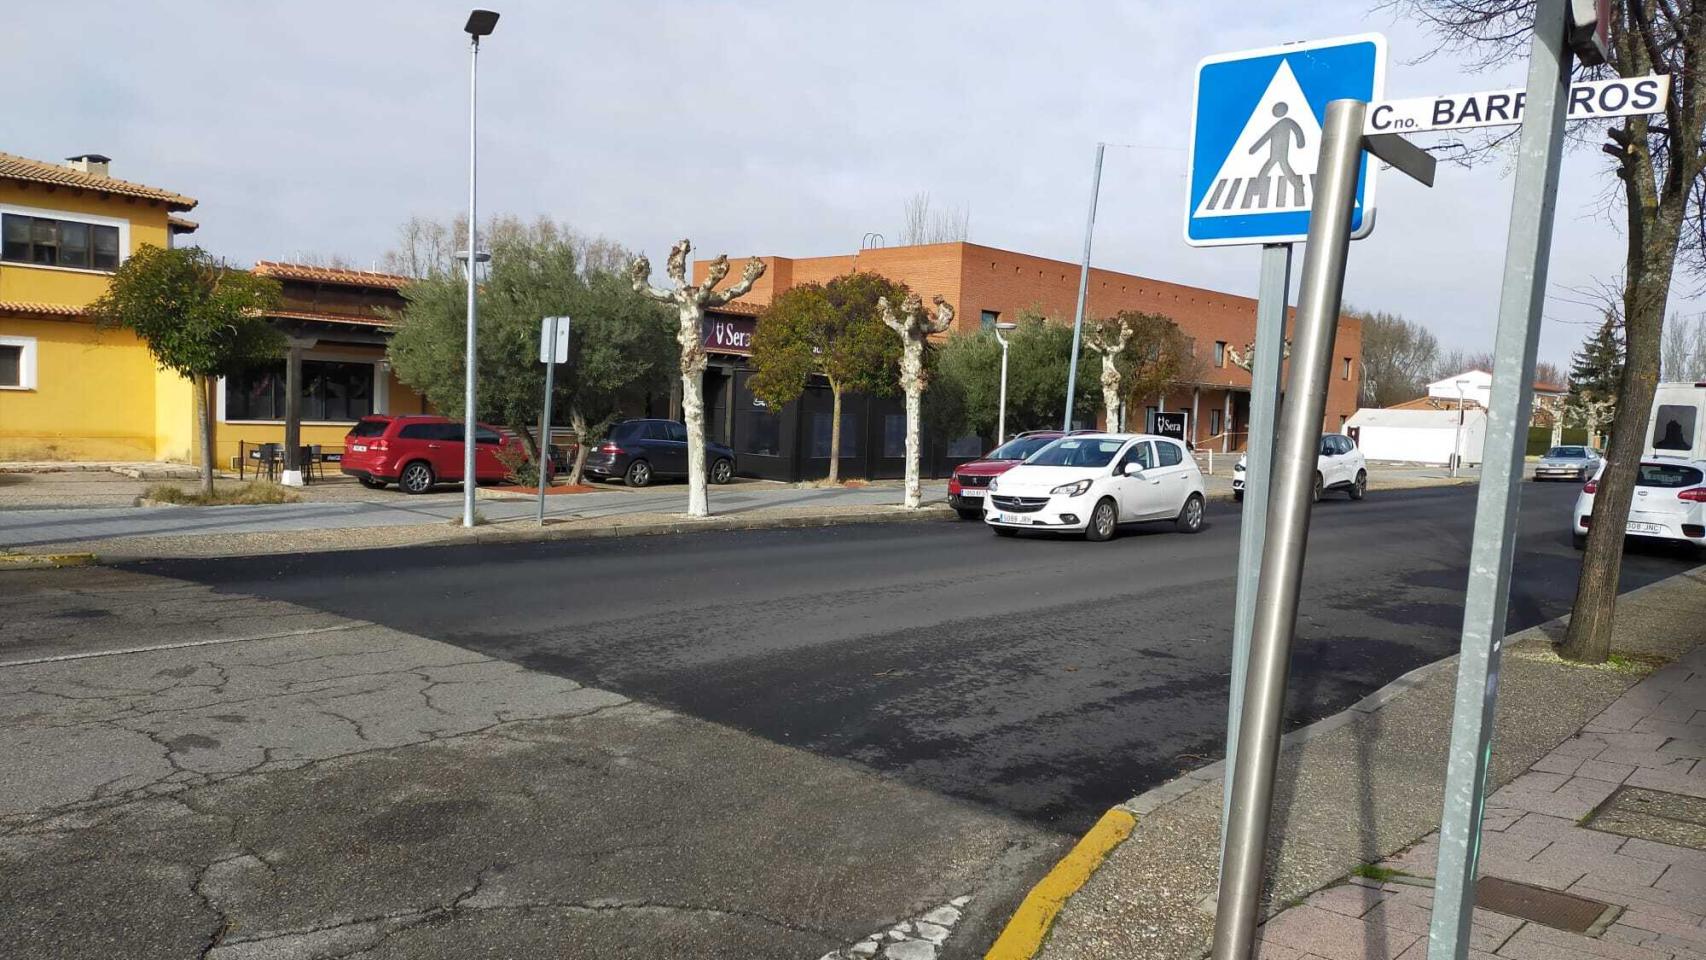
x=792, y=444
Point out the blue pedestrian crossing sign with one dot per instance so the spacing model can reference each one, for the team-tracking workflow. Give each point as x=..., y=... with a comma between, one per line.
x=1256, y=135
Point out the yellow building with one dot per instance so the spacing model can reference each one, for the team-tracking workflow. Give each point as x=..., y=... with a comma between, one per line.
x=72, y=391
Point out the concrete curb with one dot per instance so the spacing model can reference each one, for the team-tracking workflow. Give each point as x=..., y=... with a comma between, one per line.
x=1029, y=926
x=1153, y=800
x=32, y=561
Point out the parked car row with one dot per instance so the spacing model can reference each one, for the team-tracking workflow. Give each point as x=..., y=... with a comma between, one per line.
x=419, y=451
x=1669, y=502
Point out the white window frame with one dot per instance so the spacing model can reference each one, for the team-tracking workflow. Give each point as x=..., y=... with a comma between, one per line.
x=381, y=390
x=26, y=363
x=94, y=220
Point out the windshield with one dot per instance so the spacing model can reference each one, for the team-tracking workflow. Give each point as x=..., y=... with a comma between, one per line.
x=1668, y=475
x=369, y=428
x=1019, y=448
x=1567, y=453
x=1076, y=452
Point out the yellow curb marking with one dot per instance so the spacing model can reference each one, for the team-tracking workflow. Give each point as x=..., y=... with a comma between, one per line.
x=1030, y=923
x=48, y=559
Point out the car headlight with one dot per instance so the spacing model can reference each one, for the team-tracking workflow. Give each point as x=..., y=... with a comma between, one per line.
x=994, y=484
x=1070, y=489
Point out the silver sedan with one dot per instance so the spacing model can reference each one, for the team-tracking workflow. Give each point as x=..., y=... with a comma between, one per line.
x=1576, y=463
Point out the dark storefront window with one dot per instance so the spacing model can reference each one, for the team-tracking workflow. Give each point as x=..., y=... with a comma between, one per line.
x=331, y=390
x=821, y=434
x=965, y=448
x=894, y=435
x=761, y=433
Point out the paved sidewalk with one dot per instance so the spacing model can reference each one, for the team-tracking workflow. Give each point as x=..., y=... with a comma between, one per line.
x=68, y=528
x=1367, y=783
x=1591, y=818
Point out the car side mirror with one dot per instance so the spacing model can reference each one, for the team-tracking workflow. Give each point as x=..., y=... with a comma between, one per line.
x=1133, y=470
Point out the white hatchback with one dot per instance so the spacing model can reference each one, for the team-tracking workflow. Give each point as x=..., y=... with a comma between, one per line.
x=1091, y=483
x=1341, y=466
x=1669, y=502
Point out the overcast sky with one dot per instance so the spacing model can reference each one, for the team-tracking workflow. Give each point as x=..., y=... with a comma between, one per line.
x=787, y=128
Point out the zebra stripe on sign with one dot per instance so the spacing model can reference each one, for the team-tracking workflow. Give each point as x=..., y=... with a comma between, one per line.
x=1271, y=167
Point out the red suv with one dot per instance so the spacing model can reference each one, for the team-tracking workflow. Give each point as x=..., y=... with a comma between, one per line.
x=969, y=484
x=417, y=451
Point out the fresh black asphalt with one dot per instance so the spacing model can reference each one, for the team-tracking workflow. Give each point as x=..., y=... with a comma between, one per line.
x=1047, y=678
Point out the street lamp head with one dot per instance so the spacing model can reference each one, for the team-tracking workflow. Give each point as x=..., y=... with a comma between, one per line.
x=480, y=23
x=1006, y=325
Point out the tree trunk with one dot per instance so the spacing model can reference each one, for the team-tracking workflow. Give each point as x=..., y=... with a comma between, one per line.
x=1644, y=299
x=914, y=496
x=583, y=446
x=1111, y=394
x=834, y=434
x=204, y=418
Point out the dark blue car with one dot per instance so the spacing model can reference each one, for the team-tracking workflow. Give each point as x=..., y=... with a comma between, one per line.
x=640, y=451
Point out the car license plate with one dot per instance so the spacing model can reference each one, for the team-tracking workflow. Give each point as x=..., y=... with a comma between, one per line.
x=1644, y=527
x=971, y=494
x=358, y=447
x=1010, y=518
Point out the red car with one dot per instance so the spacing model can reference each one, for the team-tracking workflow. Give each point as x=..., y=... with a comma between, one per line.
x=417, y=451
x=967, y=487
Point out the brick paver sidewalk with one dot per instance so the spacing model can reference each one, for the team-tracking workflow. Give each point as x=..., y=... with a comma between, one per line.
x=1638, y=768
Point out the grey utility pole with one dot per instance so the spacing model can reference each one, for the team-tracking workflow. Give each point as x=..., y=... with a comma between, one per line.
x=1265, y=362
x=1527, y=251
x=480, y=24
x=1282, y=556
x=1083, y=287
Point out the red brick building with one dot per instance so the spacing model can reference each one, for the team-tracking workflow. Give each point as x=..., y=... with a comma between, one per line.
x=985, y=284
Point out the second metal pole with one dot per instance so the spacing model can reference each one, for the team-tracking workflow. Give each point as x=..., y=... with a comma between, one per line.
x=468, y=394
x=545, y=419
x=1266, y=360
x=1295, y=455
x=1083, y=290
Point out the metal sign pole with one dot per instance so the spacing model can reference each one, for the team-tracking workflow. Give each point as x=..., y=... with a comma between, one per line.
x=545, y=417
x=1266, y=360
x=1282, y=557
x=1539, y=154
x=1083, y=290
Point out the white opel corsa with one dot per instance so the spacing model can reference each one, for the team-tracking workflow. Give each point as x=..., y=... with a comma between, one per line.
x=1091, y=483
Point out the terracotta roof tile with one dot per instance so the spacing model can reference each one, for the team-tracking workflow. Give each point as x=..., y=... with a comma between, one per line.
x=182, y=225
x=13, y=167
x=739, y=308
x=354, y=278
x=41, y=309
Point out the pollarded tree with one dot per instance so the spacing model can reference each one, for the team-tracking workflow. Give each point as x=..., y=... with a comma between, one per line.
x=915, y=327
x=690, y=301
x=834, y=331
x=199, y=318
x=1108, y=339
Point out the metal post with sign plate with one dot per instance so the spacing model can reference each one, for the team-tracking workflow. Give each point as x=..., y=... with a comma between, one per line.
x=553, y=349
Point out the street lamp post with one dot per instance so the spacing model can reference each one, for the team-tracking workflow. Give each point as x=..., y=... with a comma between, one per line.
x=480, y=24
x=1001, y=415
x=1457, y=438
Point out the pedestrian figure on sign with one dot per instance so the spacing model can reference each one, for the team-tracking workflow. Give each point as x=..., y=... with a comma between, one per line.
x=1278, y=143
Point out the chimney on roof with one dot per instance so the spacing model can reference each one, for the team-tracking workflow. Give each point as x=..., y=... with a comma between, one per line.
x=93, y=164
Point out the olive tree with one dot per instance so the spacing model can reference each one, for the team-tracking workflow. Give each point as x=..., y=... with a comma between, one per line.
x=198, y=317
x=690, y=301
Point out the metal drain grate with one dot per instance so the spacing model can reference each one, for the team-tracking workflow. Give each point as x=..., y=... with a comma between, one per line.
x=1653, y=815
x=1563, y=911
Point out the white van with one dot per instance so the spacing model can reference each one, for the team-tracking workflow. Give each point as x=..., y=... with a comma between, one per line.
x=1678, y=424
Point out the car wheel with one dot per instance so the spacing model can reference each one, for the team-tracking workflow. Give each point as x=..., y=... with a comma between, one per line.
x=722, y=471
x=1315, y=494
x=1190, y=516
x=372, y=483
x=639, y=474
x=1359, y=489
x=1238, y=496
x=970, y=514
x=1579, y=541
x=1104, y=520
x=1004, y=531
x=417, y=477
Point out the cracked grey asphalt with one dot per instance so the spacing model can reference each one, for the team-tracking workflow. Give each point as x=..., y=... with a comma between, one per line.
x=348, y=790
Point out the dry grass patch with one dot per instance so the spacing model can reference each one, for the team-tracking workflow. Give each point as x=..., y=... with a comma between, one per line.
x=248, y=493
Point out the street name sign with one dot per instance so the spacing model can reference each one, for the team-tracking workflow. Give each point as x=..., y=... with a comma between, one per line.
x=1589, y=100
x=1256, y=134
x=554, y=340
